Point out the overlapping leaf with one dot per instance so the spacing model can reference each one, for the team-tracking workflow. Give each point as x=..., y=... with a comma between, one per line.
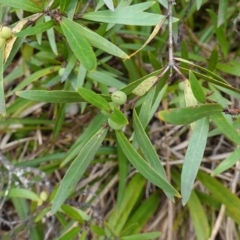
x=77, y=168
x=142, y=166
x=25, y=5
x=79, y=44
x=188, y=115
x=193, y=157
x=56, y=96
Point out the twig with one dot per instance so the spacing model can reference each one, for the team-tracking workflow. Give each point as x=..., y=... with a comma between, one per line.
x=218, y=223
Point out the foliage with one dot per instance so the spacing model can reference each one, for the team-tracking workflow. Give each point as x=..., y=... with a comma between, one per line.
x=59, y=69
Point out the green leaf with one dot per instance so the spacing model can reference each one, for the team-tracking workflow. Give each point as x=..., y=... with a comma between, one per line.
x=94, y=126
x=210, y=73
x=184, y=53
x=217, y=82
x=213, y=59
x=199, y=3
x=142, y=166
x=56, y=96
x=142, y=236
x=220, y=32
x=123, y=170
x=64, y=4
x=77, y=168
x=96, y=229
x=36, y=29
x=126, y=16
x=105, y=79
x=120, y=215
x=72, y=213
x=180, y=116
x=33, y=77
x=222, y=194
x=118, y=117
x=141, y=215
x=147, y=148
x=79, y=45
x=193, y=157
x=25, y=5
x=2, y=96
x=196, y=88
x=51, y=36
x=109, y=4
x=222, y=12
x=22, y=193
x=95, y=99
x=227, y=163
x=198, y=217
x=98, y=41
x=231, y=67
x=227, y=129
x=71, y=233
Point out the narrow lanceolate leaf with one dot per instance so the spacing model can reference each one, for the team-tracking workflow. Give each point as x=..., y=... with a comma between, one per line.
x=25, y=5
x=51, y=36
x=96, y=40
x=64, y=4
x=36, y=29
x=147, y=149
x=189, y=97
x=196, y=210
x=152, y=35
x=118, y=117
x=109, y=4
x=144, y=86
x=126, y=16
x=193, y=157
x=33, y=77
x=94, y=99
x=227, y=129
x=145, y=236
x=2, y=96
x=222, y=194
x=213, y=60
x=227, y=163
x=210, y=73
x=77, y=168
x=56, y=96
x=119, y=216
x=199, y=3
x=222, y=12
x=146, y=146
x=143, y=167
x=79, y=45
x=180, y=116
x=196, y=88
x=23, y=193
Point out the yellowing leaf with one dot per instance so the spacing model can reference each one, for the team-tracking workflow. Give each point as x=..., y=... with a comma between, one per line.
x=144, y=86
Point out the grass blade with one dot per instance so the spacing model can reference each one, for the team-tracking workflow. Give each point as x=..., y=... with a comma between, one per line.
x=2, y=96
x=199, y=218
x=77, y=168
